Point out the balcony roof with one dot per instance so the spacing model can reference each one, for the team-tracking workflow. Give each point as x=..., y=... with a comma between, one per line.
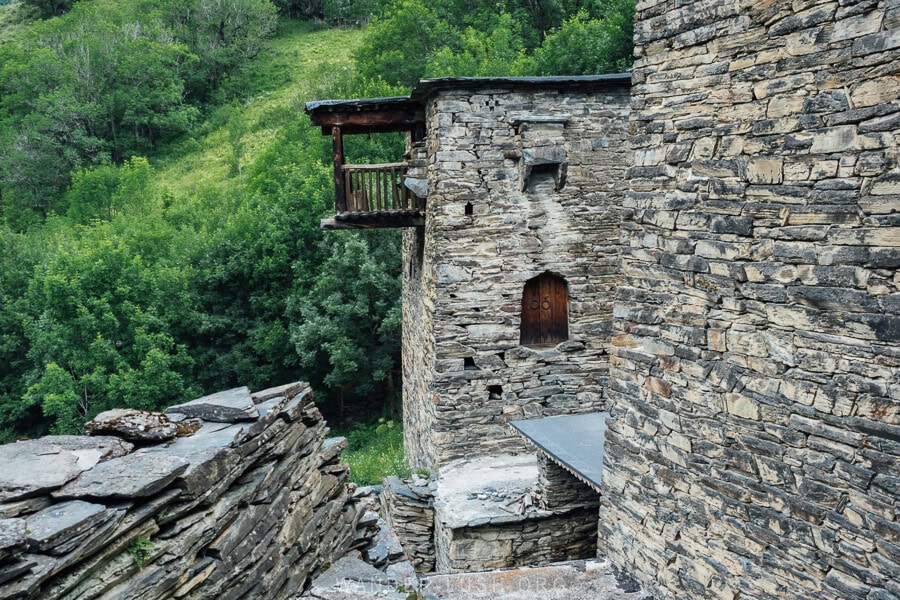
x=405, y=113
x=367, y=115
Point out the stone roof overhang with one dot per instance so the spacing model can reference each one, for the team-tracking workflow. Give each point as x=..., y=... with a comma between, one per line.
x=574, y=442
x=406, y=113
x=428, y=87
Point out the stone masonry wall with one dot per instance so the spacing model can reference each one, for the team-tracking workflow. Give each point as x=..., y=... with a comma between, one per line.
x=469, y=375
x=418, y=337
x=569, y=535
x=248, y=508
x=408, y=508
x=560, y=488
x=418, y=350
x=754, y=446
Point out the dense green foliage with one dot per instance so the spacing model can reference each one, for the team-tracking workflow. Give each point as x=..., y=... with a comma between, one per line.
x=415, y=39
x=161, y=191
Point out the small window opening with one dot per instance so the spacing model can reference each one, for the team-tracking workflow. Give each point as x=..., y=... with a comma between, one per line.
x=469, y=209
x=545, y=311
x=502, y=356
x=495, y=392
x=469, y=364
x=542, y=179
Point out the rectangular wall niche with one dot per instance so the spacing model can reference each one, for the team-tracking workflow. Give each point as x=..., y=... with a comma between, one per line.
x=543, y=151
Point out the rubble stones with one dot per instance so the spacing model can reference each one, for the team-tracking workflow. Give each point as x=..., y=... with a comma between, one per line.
x=61, y=522
x=136, y=475
x=34, y=467
x=11, y=510
x=288, y=390
x=229, y=406
x=259, y=524
x=109, y=446
x=12, y=536
x=132, y=425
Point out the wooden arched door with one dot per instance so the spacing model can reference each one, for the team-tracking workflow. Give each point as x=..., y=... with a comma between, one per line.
x=545, y=311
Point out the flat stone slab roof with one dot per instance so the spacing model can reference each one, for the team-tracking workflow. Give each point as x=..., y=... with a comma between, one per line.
x=575, y=442
x=486, y=490
x=596, y=579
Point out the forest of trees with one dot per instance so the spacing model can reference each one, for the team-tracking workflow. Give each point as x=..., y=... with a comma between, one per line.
x=119, y=287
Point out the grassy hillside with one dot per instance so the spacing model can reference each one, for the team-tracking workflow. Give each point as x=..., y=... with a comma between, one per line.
x=265, y=96
x=13, y=18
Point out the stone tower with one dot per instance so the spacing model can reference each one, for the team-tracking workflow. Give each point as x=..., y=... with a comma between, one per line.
x=508, y=287
x=510, y=198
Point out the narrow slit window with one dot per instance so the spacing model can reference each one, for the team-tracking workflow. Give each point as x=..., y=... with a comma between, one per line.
x=545, y=311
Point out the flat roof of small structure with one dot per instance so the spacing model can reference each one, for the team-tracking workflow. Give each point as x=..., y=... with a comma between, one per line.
x=378, y=114
x=574, y=442
x=486, y=490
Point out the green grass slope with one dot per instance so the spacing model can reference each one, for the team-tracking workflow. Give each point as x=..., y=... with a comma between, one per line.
x=268, y=94
x=14, y=18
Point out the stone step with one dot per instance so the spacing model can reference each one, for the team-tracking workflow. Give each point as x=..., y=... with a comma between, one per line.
x=596, y=579
x=350, y=578
x=353, y=579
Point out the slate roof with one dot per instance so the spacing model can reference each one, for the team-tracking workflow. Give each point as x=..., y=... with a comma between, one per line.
x=574, y=442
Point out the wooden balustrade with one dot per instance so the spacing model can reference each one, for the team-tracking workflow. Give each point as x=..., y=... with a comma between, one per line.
x=375, y=188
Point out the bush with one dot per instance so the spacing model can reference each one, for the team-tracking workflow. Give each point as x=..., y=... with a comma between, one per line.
x=585, y=46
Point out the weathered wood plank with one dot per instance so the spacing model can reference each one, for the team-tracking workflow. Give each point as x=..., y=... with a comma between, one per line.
x=383, y=121
x=340, y=193
x=374, y=223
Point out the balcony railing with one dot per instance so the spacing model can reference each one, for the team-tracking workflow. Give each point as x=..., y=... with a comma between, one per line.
x=375, y=188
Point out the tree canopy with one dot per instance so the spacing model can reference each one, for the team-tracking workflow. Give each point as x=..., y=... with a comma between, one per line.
x=161, y=188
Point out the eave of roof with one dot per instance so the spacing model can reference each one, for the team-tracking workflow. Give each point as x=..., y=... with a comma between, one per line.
x=360, y=107
x=426, y=87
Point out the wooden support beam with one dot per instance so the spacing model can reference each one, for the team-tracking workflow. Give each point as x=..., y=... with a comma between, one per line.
x=392, y=119
x=408, y=221
x=340, y=192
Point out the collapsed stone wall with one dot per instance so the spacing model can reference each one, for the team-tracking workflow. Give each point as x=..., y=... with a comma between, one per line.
x=497, y=217
x=251, y=507
x=539, y=540
x=754, y=446
x=409, y=511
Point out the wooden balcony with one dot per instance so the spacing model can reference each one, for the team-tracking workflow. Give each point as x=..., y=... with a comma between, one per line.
x=374, y=196
x=370, y=195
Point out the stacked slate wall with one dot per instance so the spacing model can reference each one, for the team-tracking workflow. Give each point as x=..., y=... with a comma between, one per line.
x=754, y=446
x=408, y=508
x=559, y=488
x=251, y=509
x=538, y=539
x=465, y=374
